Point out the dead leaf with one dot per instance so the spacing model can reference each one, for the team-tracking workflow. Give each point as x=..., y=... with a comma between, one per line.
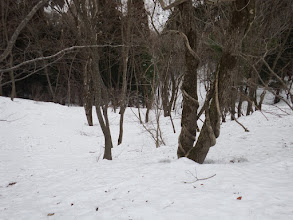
x=51, y=214
x=239, y=198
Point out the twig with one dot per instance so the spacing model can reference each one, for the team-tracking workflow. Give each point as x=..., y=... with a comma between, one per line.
x=149, y=130
x=249, y=100
x=282, y=110
x=99, y=156
x=196, y=178
x=9, y=121
x=245, y=129
x=168, y=205
x=172, y=123
x=59, y=53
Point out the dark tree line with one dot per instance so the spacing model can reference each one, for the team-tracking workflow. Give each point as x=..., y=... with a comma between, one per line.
x=102, y=54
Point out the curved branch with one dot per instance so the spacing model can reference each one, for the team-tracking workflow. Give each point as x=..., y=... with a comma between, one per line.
x=60, y=53
x=19, y=28
x=186, y=42
x=174, y=4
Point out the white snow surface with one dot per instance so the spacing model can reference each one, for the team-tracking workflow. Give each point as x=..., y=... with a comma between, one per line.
x=55, y=162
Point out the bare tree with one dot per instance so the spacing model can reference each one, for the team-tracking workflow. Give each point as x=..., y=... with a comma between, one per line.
x=135, y=35
x=242, y=13
x=126, y=31
x=87, y=14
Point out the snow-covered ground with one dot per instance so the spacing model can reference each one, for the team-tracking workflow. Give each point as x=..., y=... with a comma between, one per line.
x=51, y=167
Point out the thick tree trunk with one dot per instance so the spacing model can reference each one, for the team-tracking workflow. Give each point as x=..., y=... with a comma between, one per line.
x=189, y=85
x=211, y=128
x=165, y=99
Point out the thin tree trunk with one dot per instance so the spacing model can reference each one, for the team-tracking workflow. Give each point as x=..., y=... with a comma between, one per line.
x=45, y=63
x=137, y=92
x=103, y=119
x=239, y=107
x=69, y=82
x=11, y=75
x=1, y=88
x=233, y=99
x=87, y=95
x=125, y=54
x=251, y=96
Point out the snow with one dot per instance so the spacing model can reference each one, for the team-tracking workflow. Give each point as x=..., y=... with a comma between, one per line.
x=55, y=161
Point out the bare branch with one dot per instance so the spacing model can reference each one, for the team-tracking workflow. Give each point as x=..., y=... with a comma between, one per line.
x=31, y=73
x=215, y=2
x=21, y=26
x=245, y=129
x=60, y=53
x=174, y=4
x=274, y=74
x=186, y=41
x=196, y=178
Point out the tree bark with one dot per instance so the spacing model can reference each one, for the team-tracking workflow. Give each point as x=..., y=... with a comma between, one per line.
x=211, y=128
x=12, y=79
x=103, y=118
x=189, y=85
x=239, y=107
x=87, y=95
x=88, y=21
x=125, y=53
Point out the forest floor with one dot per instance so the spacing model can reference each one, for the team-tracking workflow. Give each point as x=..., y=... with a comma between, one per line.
x=51, y=167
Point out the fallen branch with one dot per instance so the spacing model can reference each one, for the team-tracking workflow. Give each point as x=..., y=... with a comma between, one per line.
x=198, y=179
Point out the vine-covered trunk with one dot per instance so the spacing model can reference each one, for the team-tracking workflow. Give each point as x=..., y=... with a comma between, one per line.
x=189, y=84
x=222, y=84
x=211, y=127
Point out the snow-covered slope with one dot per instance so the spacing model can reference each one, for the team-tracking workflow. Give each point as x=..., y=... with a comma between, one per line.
x=51, y=167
